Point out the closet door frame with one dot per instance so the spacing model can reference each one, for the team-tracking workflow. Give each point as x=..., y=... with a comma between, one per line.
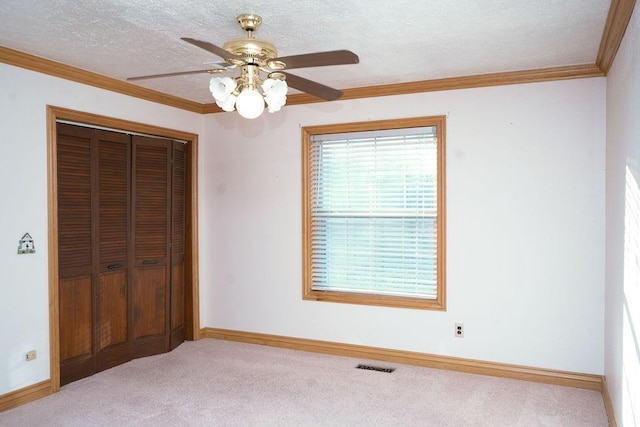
x=192, y=303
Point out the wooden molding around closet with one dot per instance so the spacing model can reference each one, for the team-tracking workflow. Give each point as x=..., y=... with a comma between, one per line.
x=55, y=114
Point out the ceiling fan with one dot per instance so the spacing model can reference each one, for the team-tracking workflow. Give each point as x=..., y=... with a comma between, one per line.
x=249, y=91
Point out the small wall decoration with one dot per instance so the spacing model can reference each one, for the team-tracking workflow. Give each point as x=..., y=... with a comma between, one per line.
x=26, y=245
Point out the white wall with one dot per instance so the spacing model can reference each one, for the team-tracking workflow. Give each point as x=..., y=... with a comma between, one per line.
x=24, y=312
x=525, y=192
x=525, y=222
x=622, y=330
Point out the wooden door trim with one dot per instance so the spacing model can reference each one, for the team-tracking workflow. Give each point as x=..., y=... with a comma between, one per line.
x=55, y=114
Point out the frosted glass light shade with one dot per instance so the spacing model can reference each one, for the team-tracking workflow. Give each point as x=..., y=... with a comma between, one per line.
x=222, y=90
x=227, y=104
x=250, y=103
x=275, y=93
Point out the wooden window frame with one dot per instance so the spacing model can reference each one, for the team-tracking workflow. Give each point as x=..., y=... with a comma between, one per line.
x=439, y=303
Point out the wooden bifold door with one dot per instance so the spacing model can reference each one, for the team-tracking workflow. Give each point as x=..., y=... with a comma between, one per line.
x=121, y=243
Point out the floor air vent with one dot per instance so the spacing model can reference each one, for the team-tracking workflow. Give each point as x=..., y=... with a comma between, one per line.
x=375, y=368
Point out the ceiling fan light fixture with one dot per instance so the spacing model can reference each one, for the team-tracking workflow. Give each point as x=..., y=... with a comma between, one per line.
x=275, y=93
x=250, y=103
x=227, y=104
x=222, y=90
x=248, y=93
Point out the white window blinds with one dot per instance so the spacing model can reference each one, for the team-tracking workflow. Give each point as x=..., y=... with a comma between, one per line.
x=373, y=203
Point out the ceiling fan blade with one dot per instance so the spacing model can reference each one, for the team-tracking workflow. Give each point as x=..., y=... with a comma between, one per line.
x=216, y=50
x=179, y=73
x=319, y=59
x=313, y=88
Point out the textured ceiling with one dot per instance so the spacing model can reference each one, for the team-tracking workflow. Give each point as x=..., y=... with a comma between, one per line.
x=397, y=41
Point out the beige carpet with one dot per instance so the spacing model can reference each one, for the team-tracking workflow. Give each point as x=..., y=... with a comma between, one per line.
x=220, y=383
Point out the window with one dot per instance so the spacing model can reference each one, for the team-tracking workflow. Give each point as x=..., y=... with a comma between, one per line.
x=374, y=213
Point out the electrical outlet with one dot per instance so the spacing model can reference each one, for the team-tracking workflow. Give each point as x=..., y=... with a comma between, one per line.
x=30, y=355
x=459, y=330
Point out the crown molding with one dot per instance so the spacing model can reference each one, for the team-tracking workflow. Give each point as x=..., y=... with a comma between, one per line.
x=618, y=18
x=57, y=69
x=464, y=82
x=451, y=83
x=617, y=21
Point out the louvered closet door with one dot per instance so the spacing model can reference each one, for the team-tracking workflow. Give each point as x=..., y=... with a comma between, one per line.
x=151, y=188
x=93, y=215
x=75, y=253
x=112, y=290
x=121, y=248
x=178, y=225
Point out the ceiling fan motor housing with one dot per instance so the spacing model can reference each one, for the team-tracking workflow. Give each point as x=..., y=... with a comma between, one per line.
x=252, y=51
